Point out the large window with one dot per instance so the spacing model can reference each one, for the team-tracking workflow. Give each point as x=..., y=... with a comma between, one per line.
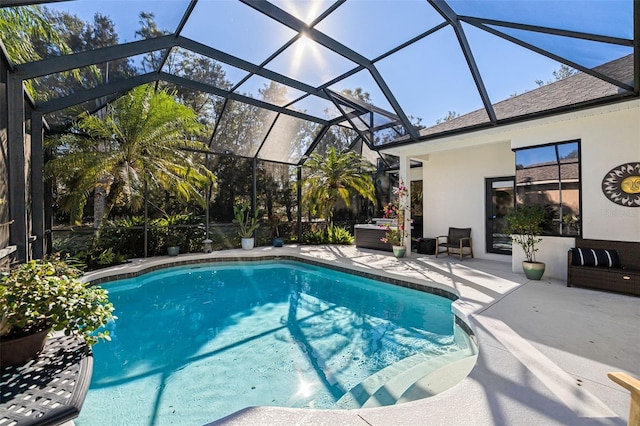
x=549, y=176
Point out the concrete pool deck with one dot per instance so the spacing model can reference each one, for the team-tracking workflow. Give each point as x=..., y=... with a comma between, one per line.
x=544, y=349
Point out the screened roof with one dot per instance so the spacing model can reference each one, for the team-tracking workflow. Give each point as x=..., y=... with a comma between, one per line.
x=276, y=80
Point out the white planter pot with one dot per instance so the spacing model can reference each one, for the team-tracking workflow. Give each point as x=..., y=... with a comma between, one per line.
x=247, y=243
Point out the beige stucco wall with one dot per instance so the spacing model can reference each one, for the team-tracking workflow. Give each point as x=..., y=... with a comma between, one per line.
x=608, y=139
x=454, y=170
x=454, y=194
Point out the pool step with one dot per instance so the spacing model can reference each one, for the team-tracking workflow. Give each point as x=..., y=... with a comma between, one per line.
x=416, y=377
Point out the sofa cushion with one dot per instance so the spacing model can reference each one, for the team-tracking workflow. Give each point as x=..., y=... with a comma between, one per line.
x=595, y=257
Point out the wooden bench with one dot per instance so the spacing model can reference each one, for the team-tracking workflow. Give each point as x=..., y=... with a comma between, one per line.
x=624, y=279
x=633, y=386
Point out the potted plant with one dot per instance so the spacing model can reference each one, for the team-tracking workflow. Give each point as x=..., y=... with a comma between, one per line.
x=247, y=222
x=396, y=232
x=524, y=224
x=175, y=239
x=275, y=221
x=41, y=296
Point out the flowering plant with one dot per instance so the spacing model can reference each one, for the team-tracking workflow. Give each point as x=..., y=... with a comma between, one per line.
x=396, y=235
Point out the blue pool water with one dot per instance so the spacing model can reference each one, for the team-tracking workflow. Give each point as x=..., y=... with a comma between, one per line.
x=193, y=344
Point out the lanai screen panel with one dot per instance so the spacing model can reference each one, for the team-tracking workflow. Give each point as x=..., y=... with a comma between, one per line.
x=399, y=21
x=58, y=120
x=59, y=85
x=194, y=66
x=235, y=28
x=288, y=140
x=435, y=66
x=269, y=91
x=339, y=137
x=317, y=107
x=242, y=129
x=123, y=24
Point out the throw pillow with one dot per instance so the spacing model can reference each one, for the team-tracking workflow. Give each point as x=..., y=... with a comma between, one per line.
x=595, y=257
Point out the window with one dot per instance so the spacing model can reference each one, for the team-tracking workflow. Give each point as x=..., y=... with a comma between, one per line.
x=549, y=175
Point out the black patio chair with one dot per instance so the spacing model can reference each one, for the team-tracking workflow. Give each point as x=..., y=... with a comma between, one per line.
x=458, y=241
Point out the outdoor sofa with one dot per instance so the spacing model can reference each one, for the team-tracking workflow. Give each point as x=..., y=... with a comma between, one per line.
x=605, y=265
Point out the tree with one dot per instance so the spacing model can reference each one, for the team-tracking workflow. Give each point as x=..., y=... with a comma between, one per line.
x=80, y=36
x=336, y=176
x=148, y=29
x=450, y=116
x=22, y=28
x=561, y=73
x=142, y=140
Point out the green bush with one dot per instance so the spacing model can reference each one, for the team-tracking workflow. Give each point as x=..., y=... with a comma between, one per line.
x=333, y=235
x=315, y=236
x=47, y=293
x=339, y=235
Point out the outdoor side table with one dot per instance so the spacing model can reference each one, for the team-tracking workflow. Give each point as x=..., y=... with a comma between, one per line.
x=50, y=389
x=427, y=245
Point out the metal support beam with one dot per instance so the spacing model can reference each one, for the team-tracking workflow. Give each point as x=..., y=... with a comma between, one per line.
x=13, y=3
x=313, y=145
x=236, y=97
x=218, y=55
x=254, y=188
x=299, y=194
x=217, y=123
x=344, y=114
x=557, y=58
x=146, y=217
x=37, y=185
x=450, y=16
x=19, y=235
x=92, y=57
x=48, y=209
x=266, y=136
x=331, y=44
x=394, y=103
x=95, y=93
x=176, y=33
x=546, y=30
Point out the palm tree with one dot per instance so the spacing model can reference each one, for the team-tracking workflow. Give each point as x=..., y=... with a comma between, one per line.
x=139, y=144
x=20, y=26
x=24, y=27
x=334, y=176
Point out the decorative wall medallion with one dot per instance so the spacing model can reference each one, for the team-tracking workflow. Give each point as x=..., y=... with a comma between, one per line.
x=622, y=185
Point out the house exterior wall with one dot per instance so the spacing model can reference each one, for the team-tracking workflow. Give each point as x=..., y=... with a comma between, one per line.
x=607, y=141
x=454, y=194
x=454, y=170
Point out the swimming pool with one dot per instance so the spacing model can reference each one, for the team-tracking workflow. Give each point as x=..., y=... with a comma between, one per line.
x=195, y=343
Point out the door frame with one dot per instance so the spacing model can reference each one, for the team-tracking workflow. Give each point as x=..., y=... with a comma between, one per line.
x=488, y=212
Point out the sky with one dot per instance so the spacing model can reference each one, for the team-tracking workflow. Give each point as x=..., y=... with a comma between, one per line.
x=429, y=78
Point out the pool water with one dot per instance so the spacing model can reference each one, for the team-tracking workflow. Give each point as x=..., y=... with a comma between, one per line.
x=194, y=344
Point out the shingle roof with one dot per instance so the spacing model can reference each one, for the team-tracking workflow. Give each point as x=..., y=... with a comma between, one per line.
x=572, y=90
x=547, y=173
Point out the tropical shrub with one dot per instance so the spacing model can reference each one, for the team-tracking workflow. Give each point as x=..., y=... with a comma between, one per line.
x=42, y=294
x=339, y=235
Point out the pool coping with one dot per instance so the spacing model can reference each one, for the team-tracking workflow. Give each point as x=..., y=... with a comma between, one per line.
x=541, y=384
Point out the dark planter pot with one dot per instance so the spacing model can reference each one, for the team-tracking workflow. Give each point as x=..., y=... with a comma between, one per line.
x=173, y=250
x=278, y=242
x=533, y=270
x=22, y=349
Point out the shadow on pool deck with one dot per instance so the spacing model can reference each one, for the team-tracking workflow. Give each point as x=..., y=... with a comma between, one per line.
x=544, y=348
